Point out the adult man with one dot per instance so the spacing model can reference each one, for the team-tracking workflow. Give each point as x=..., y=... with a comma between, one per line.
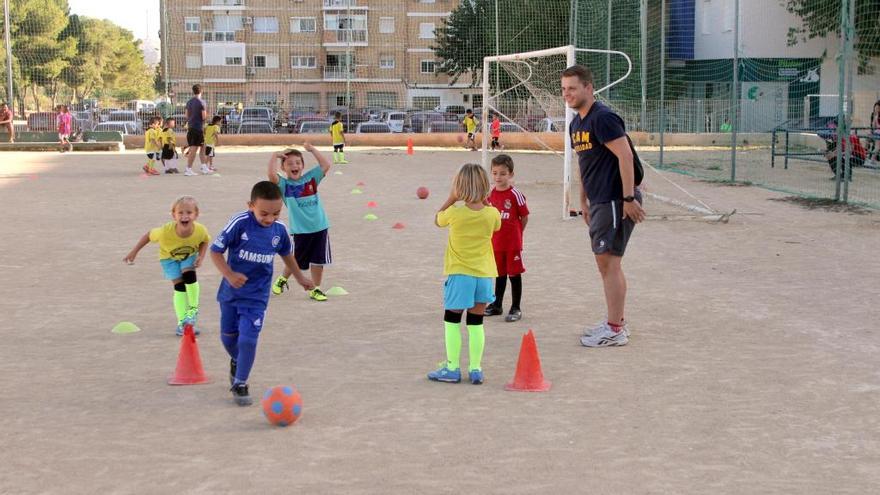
x=196, y=115
x=610, y=200
x=6, y=121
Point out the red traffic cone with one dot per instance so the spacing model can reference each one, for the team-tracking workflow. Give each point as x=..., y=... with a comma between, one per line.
x=529, y=377
x=189, y=369
x=372, y=204
x=409, y=146
x=398, y=226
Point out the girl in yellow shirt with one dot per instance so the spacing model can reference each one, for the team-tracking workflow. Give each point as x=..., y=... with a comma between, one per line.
x=470, y=268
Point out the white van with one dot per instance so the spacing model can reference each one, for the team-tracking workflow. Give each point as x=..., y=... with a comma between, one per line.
x=140, y=106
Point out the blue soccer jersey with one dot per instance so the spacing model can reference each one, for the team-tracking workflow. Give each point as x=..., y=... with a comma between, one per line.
x=252, y=249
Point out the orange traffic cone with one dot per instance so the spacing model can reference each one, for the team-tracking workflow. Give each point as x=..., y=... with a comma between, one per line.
x=529, y=377
x=398, y=226
x=189, y=369
x=409, y=146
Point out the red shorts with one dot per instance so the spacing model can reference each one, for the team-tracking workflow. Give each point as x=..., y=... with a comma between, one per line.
x=509, y=263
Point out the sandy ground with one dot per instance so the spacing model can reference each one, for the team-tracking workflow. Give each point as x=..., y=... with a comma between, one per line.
x=751, y=367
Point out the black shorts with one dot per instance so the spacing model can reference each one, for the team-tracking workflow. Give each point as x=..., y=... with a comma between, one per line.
x=312, y=249
x=209, y=150
x=338, y=147
x=195, y=137
x=609, y=231
x=168, y=152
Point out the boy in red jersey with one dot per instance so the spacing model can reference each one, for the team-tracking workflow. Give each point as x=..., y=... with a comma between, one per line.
x=507, y=242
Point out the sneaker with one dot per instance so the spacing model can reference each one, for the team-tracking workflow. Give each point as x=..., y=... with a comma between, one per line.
x=189, y=172
x=605, y=337
x=240, y=394
x=475, y=376
x=492, y=310
x=191, y=318
x=444, y=374
x=343, y=161
x=317, y=294
x=280, y=285
x=168, y=171
x=598, y=326
x=173, y=170
x=206, y=170
x=514, y=315
x=153, y=171
x=179, y=331
x=233, y=366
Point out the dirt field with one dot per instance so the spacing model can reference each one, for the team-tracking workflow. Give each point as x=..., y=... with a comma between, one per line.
x=752, y=366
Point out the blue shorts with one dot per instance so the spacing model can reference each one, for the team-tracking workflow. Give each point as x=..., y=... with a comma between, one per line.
x=464, y=291
x=174, y=269
x=242, y=320
x=312, y=249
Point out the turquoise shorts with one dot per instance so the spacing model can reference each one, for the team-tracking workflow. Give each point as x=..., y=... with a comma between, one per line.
x=174, y=269
x=464, y=291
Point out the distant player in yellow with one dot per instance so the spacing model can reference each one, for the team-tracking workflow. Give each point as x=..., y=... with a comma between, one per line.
x=182, y=247
x=212, y=140
x=470, y=123
x=169, y=147
x=153, y=145
x=337, y=130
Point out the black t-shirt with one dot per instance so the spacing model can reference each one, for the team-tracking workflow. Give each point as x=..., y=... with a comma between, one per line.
x=195, y=107
x=600, y=171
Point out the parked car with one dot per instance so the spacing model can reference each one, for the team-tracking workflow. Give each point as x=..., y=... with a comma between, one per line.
x=256, y=127
x=418, y=121
x=295, y=126
x=125, y=128
x=42, y=121
x=395, y=120
x=314, y=127
x=551, y=124
x=373, y=128
x=443, y=126
x=458, y=110
x=350, y=120
x=127, y=116
x=84, y=120
x=373, y=113
x=257, y=113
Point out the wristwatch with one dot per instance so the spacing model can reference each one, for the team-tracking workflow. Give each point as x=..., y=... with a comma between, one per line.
x=629, y=199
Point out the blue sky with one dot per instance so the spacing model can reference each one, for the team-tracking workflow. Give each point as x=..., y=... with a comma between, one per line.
x=135, y=16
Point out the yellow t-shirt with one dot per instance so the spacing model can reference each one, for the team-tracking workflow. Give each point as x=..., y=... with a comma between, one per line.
x=336, y=132
x=469, y=249
x=471, y=124
x=211, y=132
x=169, y=137
x=150, y=136
x=172, y=246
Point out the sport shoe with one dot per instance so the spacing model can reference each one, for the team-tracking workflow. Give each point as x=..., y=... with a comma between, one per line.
x=492, y=310
x=206, y=170
x=444, y=374
x=317, y=294
x=233, y=366
x=280, y=285
x=240, y=394
x=605, y=337
x=475, y=376
x=191, y=317
x=173, y=170
x=598, y=326
x=179, y=331
x=514, y=315
x=189, y=172
x=153, y=171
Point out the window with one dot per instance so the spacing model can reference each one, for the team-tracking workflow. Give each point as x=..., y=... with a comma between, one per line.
x=729, y=15
x=427, y=1
x=265, y=24
x=427, y=66
x=266, y=99
x=426, y=102
x=305, y=100
x=335, y=100
x=192, y=24
x=266, y=61
x=303, y=62
x=386, y=61
x=381, y=99
x=220, y=36
x=426, y=30
x=302, y=24
x=707, y=17
x=233, y=60
x=386, y=25
x=193, y=61
x=228, y=23
x=259, y=61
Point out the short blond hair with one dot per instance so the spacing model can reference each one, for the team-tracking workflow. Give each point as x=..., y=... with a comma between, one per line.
x=183, y=200
x=471, y=183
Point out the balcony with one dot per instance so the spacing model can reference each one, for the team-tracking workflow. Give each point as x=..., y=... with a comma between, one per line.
x=338, y=73
x=342, y=4
x=225, y=5
x=345, y=36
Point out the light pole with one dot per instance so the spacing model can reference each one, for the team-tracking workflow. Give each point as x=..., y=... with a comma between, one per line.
x=6, y=29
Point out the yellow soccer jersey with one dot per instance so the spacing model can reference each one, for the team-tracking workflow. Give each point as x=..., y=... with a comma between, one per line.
x=471, y=124
x=211, y=132
x=169, y=137
x=149, y=137
x=174, y=247
x=469, y=248
x=336, y=132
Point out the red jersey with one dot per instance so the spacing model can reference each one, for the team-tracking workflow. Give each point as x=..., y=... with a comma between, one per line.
x=496, y=128
x=512, y=205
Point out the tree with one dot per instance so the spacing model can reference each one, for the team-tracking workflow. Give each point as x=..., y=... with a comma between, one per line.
x=820, y=18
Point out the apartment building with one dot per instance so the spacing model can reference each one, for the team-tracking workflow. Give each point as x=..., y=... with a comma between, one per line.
x=309, y=53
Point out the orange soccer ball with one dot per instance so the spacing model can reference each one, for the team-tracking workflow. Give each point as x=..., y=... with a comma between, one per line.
x=422, y=192
x=282, y=405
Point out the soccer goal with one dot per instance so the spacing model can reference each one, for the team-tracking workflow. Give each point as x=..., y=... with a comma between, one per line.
x=527, y=98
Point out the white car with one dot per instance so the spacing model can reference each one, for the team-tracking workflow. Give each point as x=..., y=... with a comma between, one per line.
x=395, y=120
x=125, y=128
x=373, y=128
x=550, y=124
x=127, y=117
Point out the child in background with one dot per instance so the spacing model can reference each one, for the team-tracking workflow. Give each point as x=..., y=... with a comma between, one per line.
x=496, y=133
x=470, y=268
x=65, y=128
x=252, y=238
x=182, y=246
x=309, y=226
x=153, y=145
x=212, y=140
x=169, y=147
x=508, y=242
x=470, y=124
x=875, y=131
x=337, y=131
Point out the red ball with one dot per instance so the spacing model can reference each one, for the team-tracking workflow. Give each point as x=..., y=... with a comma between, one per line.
x=460, y=138
x=282, y=405
x=422, y=192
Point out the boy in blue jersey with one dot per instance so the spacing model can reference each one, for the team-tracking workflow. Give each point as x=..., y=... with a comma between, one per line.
x=253, y=238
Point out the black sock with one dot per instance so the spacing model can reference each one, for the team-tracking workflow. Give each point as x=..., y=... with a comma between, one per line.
x=452, y=316
x=473, y=319
x=516, y=291
x=500, y=288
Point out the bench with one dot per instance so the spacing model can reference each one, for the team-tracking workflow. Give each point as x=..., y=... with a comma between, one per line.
x=48, y=141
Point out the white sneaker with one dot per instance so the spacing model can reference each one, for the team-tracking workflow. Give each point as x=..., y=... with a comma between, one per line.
x=206, y=170
x=189, y=172
x=605, y=337
x=598, y=326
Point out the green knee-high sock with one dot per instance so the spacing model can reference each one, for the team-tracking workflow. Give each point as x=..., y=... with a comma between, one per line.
x=180, y=304
x=476, y=343
x=453, y=345
x=192, y=294
x=335, y=157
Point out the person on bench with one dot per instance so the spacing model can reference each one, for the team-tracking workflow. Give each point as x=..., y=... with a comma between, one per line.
x=6, y=121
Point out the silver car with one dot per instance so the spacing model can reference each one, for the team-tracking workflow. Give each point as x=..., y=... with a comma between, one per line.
x=373, y=128
x=314, y=127
x=256, y=127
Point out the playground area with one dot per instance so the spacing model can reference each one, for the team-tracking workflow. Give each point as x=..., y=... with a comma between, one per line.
x=751, y=367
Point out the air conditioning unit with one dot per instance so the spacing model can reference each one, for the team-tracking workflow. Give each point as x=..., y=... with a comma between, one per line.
x=251, y=71
x=248, y=20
